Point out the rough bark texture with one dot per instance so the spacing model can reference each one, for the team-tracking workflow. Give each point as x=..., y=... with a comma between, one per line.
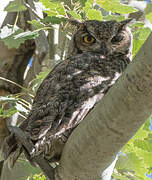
x=94, y=144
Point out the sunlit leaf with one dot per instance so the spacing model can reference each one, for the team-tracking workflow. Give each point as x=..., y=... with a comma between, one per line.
x=53, y=20
x=115, y=6
x=94, y=14
x=137, y=164
x=148, y=8
x=75, y=15
x=10, y=42
x=144, y=145
x=27, y=35
x=119, y=176
x=149, y=16
x=147, y=124
x=146, y=156
x=114, y=17
x=35, y=83
x=90, y=12
x=36, y=24
x=15, y=6
x=9, y=112
x=55, y=7
x=139, y=36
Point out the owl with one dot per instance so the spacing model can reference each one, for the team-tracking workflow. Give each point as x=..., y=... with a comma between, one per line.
x=99, y=52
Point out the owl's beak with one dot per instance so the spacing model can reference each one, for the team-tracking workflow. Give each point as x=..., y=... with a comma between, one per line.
x=103, y=48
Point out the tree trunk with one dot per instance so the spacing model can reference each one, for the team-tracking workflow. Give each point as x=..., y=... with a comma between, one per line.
x=94, y=144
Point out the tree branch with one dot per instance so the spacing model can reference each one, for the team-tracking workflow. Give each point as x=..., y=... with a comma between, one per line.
x=94, y=144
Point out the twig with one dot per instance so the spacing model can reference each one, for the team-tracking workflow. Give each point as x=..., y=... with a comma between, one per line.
x=32, y=10
x=7, y=80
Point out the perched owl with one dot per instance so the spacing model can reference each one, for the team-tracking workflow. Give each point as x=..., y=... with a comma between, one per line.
x=99, y=52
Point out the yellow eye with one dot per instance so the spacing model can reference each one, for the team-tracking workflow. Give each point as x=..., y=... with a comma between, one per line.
x=88, y=39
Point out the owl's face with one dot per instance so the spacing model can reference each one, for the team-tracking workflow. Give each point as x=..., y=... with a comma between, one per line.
x=105, y=37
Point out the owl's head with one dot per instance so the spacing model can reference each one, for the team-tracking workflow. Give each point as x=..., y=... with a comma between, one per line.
x=105, y=37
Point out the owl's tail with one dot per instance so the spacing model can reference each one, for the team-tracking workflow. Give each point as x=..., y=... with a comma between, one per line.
x=15, y=144
x=11, y=150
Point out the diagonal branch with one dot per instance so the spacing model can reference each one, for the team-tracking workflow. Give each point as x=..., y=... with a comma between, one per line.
x=94, y=144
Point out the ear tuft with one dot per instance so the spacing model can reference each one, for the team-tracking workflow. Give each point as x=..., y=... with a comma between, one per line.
x=125, y=22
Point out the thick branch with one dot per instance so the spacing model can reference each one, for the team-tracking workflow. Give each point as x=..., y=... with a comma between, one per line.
x=94, y=144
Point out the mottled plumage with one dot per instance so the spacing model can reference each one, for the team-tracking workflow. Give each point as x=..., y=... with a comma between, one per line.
x=98, y=54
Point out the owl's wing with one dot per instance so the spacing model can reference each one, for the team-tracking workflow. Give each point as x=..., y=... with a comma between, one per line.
x=67, y=94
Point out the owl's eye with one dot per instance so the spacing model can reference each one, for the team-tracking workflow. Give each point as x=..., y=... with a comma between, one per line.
x=89, y=39
x=117, y=38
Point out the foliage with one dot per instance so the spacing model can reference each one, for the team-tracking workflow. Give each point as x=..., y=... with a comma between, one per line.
x=16, y=36
x=135, y=158
x=115, y=7
x=140, y=34
x=15, y=103
x=35, y=83
x=148, y=12
x=37, y=177
x=15, y=6
x=10, y=42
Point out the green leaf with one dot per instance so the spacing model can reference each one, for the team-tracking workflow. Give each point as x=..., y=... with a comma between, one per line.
x=149, y=16
x=137, y=164
x=141, y=134
x=9, y=112
x=149, y=137
x=88, y=6
x=35, y=83
x=1, y=111
x=90, y=12
x=114, y=17
x=55, y=8
x=137, y=45
x=123, y=162
x=27, y=35
x=94, y=14
x=53, y=20
x=82, y=2
x=36, y=24
x=119, y=177
x=144, y=33
x=75, y=15
x=15, y=6
x=51, y=12
x=10, y=42
x=137, y=24
x=147, y=125
x=37, y=177
x=139, y=36
x=131, y=163
x=42, y=75
x=115, y=6
x=144, y=145
x=146, y=156
x=148, y=8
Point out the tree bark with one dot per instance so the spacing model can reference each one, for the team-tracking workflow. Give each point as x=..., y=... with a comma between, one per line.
x=94, y=144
